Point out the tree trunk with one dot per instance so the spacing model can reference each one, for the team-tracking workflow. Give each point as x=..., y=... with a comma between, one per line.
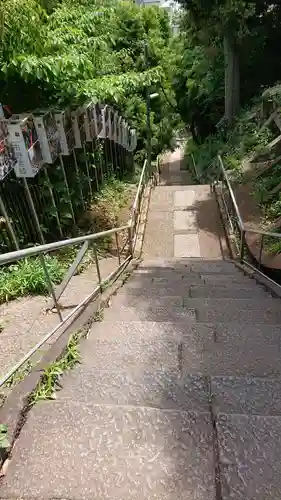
x=232, y=78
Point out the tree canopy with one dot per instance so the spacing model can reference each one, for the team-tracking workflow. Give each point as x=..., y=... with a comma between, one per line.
x=235, y=45
x=71, y=50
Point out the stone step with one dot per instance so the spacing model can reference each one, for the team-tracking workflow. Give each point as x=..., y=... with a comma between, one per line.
x=246, y=395
x=229, y=290
x=146, y=281
x=160, y=388
x=196, y=265
x=232, y=290
x=176, y=179
x=201, y=334
x=259, y=310
x=207, y=349
x=245, y=350
x=143, y=301
x=123, y=312
x=249, y=456
x=219, y=278
x=113, y=453
x=184, y=273
x=133, y=355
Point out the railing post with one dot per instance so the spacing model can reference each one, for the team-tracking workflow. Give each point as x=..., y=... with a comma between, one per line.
x=117, y=248
x=67, y=190
x=33, y=210
x=50, y=188
x=242, y=244
x=261, y=249
x=50, y=286
x=130, y=235
x=9, y=225
x=97, y=265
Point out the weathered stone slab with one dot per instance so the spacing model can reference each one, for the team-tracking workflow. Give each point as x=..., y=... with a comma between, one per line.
x=249, y=450
x=184, y=198
x=185, y=220
x=162, y=388
x=249, y=395
x=102, y=452
x=186, y=245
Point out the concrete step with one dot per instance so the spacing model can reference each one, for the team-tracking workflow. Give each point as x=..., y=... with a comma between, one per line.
x=231, y=290
x=184, y=272
x=124, y=312
x=245, y=350
x=246, y=395
x=249, y=456
x=221, y=278
x=196, y=265
x=118, y=330
x=176, y=179
x=144, y=301
x=186, y=290
x=113, y=453
x=164, y=280
x=160, y=388
x=259, y=310
x=133, y=355
x=207, y=349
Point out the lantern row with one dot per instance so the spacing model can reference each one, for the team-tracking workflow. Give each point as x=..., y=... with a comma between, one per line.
x=29, y=141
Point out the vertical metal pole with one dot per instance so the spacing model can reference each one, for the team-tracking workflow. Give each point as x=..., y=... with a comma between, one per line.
x=117, y=248
x=97, y=264
x=242, y=245
x=53, y=200
x=106, y=157
x=116, y=163
x=9, y=225
x=100, y=153
x=130, y=235
x=94, y=151
x=261, y=249
x=33, y=211
x=50, y=285
x=78, y=179
x=88, y=172
x=148, y=125
x=67, y=189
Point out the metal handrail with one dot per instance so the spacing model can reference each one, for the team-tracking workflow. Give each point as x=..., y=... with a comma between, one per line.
x=199, y=175
x=9, y=257
x=233, y=199
x=240, y=221
x=242, y=227
x=41, y=250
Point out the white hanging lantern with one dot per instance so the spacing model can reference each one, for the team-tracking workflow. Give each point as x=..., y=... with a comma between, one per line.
x=105, y=113
x=115, y=126
x=46, y=128
x=8, y=158
x=25, y=141
x=134, y=139
x=66, y=134
x=89, y=121
x=111, y=124
x=78, y=126
x=119, y=130
x=132, y=142
x=125, y=134
x=97, y=119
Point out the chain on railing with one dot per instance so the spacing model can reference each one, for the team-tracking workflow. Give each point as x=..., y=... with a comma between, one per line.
x=101, y=275
x=237, y=227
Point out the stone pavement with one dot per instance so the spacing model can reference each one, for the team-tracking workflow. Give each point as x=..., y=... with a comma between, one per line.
x=177, y=396
x=183, y=220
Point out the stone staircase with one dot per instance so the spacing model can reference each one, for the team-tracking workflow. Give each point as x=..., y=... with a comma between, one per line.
x=177, y=396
